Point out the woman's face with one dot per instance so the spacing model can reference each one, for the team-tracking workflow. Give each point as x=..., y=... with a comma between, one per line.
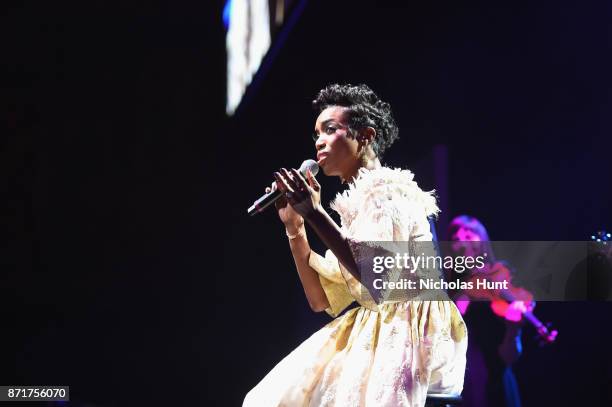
x=461, y=242
x=337, y=150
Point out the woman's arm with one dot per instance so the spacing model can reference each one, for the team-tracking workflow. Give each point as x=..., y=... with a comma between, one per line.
x=300, y=249
x=511, y=347
x=305, y=199
x=331, y=235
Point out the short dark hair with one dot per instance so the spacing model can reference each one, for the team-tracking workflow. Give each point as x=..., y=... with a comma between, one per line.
x=365, y=110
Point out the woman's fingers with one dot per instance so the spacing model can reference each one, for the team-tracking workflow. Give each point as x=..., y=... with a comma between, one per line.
x=279, y=181
x=271, y=188
x=299, y=180
x=290, y=179
x=314, y=184
x=282, y=183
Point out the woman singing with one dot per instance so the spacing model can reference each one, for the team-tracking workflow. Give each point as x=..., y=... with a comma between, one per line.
x=378, y=354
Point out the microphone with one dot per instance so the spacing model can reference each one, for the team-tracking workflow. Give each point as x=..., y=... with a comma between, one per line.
x=271, y=197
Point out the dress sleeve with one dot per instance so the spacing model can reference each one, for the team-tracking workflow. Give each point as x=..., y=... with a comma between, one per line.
x=391, y=216
x=332, y=281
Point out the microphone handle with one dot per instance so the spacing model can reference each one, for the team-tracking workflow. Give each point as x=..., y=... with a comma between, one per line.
x=262, y=203
x=268, y=199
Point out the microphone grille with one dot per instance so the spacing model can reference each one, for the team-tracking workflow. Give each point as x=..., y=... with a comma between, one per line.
x=309, y=165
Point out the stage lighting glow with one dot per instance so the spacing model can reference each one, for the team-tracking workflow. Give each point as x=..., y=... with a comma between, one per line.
x=247, y=41
x=226, y=13
x=252, y=26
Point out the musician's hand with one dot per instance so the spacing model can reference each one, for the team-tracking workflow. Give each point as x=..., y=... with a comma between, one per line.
x=303, y=196
x=515, y=310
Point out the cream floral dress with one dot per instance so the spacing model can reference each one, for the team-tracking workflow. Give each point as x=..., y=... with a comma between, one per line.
x=389, y=354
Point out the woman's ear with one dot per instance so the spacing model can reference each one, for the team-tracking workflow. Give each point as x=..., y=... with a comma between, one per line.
x=366, y=136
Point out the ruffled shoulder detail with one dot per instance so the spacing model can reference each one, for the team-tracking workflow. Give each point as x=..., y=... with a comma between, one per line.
x=372, y=189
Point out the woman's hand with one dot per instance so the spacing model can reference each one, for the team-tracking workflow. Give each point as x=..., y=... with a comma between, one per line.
x=303, y=197
x=290, y=218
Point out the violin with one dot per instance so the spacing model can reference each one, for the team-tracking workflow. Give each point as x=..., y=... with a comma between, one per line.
x=502, y=298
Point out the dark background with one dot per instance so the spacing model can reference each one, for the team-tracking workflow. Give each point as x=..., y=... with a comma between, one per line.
x=132, y=272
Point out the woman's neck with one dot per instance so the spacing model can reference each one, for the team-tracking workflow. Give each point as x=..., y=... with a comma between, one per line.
x=370, y=162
